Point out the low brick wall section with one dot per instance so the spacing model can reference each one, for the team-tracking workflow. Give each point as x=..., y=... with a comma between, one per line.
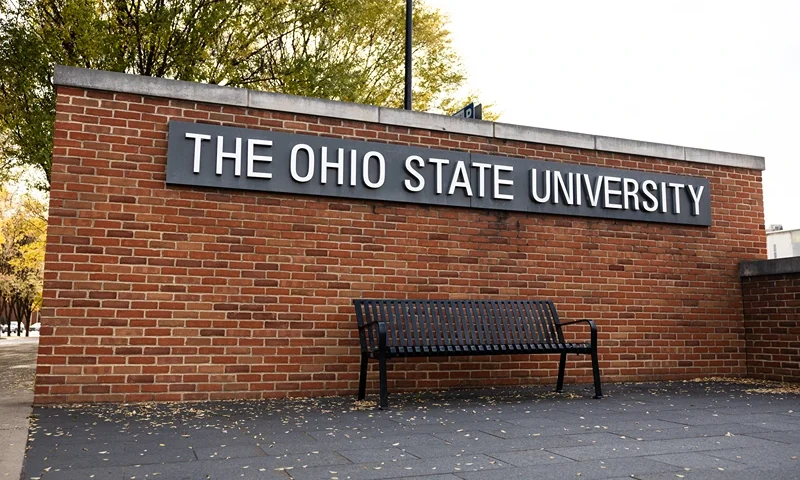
x=771, y=295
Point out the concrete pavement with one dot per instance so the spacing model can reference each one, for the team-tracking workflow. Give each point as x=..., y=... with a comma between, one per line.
x=657, y=431
x=17, y=370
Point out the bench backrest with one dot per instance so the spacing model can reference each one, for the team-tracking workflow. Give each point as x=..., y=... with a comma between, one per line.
x=421, y=323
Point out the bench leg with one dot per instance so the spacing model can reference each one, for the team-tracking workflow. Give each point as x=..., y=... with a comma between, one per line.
x=362, y=380
x=562, y=364
x=598, y=393
x=384, y=403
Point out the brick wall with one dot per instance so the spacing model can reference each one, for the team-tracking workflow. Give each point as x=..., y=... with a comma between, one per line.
x=175, y=293
x=771, y=299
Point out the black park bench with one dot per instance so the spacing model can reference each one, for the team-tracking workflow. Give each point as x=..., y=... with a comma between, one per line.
x=422, y=328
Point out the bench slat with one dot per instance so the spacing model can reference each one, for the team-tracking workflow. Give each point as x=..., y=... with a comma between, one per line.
x=462, y=326
x=448, y=329
x=494, y=325
x=541, y=312
x=418, y=331
x=537, y=333
x=406, y=332
x=557, y=334
x=531, y=331
x=471, y=310
x=469, y=325
x=519, y=323
x=428, y=332
x=544, y=332
x=512, y=323
x=504, y=326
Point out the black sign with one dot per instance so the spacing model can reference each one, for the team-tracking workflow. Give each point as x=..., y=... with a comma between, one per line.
x=472, y=111
x=260, y=160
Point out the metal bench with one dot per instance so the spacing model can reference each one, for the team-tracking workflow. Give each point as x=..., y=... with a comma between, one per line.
x=416, y=328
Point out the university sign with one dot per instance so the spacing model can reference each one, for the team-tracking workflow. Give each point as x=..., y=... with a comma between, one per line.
x=238, y=158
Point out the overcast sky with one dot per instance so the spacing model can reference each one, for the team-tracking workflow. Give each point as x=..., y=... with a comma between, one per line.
x=721, y=75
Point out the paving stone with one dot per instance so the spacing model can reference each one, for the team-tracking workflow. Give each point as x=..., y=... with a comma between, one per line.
x=519, y=431
x=179, y=442
x=646, y=448
x=772, y=456
x=594, y=469
x=236, y=468
x=621, y=407
x=699, y=461
x=792, y=437
x=286, y=441
x=401, y=469
x=781, y=405
x=115, y=455
x=304, y=460
x=374, y=455
x=591, y=423
x=446, y=476
x=49, y=438
x=442, y=427
x=640, y=406
x=491, y=446
x=228, y=451
x=444, y=450
x=467, y=436
x=744, y=474
x=787, y=421
x=612, y=418
x=698, y=417
x=326, y=440
x=252, y=467
x=105, y=473
x=525, y=458
x=77, y=449
x=535, y=422
x=674, y=431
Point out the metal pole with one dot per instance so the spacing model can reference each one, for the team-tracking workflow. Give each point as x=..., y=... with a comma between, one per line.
x=409, y=18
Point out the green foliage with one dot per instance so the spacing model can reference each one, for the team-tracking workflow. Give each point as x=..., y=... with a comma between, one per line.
x=350, y=50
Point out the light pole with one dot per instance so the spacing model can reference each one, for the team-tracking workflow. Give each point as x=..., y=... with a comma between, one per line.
x=409, y=18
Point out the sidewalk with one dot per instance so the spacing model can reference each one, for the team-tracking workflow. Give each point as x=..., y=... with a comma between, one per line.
x=17, y=370
x=643, y=431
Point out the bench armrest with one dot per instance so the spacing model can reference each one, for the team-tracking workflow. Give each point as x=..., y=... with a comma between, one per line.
x=373, y=332
x=382, y=337
x=369, y=324
x=583, y=320
x=592, y=326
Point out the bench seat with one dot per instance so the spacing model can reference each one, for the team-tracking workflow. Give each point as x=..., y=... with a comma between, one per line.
x=485, y=349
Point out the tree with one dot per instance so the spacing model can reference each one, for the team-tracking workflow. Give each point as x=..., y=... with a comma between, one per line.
x=23, y=224
x=350, y=50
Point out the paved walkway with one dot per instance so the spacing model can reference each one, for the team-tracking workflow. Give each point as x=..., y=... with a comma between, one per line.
x=642, y=431
x=17, y=370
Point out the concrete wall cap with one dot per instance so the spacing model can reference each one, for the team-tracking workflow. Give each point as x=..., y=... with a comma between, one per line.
x=546, y=136
x=636, y=147
x=204, y=93
x=432, y=121
x=151, y=86
x=714, y=157
x=312, y=106
x=775, y=266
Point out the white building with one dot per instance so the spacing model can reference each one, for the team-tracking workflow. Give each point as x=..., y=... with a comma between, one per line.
x=782, y=243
